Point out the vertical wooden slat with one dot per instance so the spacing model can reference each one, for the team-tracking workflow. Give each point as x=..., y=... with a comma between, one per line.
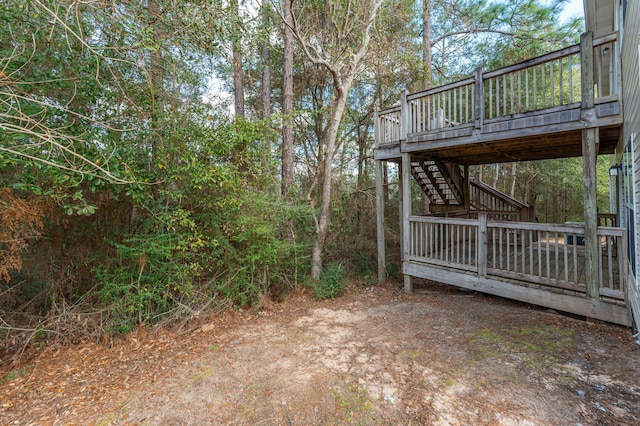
x=535, y=88
x=552, y=85
x=447, y=243
x=570, y=79
x=548, y=269
x=490, y=98
x=516, y=254
x=520, y=91
x=600, y=282
x=575, y=258
x=504, y=95
x=612, y=75
x=544, y=85
x=555, y=257
x=526, y=88
x=508, y=248
x=609, y=245
x=512, y=94
x=430, y=240
x=531, y=252
x=620, y=243
x=560, y=78
x=566, y=259
x=523, y=251
x=598, y=67
x=478, y=90
x=498, y=97
x=539, y=256
x=466, y=104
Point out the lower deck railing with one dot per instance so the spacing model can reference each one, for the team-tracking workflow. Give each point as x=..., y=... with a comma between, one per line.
x=543, y=254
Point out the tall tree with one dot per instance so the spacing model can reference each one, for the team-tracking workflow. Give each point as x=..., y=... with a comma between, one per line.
x=426, y=43
x=265, y=54
x=236, y=47
x=335, y=35
x=287, y=100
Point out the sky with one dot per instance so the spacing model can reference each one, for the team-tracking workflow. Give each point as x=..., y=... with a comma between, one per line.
x=572, y=9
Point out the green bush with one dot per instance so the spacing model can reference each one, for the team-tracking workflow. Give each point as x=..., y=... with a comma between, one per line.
x=331, y=283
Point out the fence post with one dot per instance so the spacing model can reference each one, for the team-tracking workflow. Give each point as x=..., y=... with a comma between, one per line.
x=482, y=245
x=589, y=157
x=404, y=115
x=478, y=99
x=382, y=269
x=376, y=127
x=405, y=209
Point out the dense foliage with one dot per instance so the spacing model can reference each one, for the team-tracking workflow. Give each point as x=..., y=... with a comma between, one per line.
x=131, y=195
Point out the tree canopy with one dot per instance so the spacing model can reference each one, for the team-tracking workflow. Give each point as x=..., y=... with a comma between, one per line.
x=129, y=184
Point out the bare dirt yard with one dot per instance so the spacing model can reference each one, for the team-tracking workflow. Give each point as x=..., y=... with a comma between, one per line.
x=438, y=356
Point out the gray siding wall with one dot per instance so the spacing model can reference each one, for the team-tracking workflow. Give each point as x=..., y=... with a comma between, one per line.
x=631, y=99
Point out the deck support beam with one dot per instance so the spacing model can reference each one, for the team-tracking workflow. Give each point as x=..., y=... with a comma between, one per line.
x=382, y=268
x=405, y=213
x=589, y=156
x=590, y=212
x=466, y=189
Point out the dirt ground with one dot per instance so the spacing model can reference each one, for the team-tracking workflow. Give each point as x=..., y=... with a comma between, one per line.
x=439, y=356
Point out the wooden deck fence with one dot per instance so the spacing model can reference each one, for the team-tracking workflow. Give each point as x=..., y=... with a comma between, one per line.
x=540, y=254
x=546, y=82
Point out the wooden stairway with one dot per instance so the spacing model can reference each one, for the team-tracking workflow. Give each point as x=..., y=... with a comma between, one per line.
x=443, y=183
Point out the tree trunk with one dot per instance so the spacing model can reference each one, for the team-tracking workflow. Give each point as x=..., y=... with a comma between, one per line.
x=337, y=110
x=512, y=190
x=266, y=64
x=287, y=103
x=426, y=43
x=238, y=74
x=157, y=81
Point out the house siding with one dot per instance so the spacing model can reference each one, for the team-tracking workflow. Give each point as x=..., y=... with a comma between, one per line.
x=631, y=129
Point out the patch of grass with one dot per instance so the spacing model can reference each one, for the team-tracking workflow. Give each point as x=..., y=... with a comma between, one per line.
x=408, y=354
x=354, y=400
x=14, y=374
x=536, y=346
x=206, y=373
x=296, y=335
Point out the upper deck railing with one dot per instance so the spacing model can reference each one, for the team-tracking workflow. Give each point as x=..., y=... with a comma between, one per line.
x=548, y=82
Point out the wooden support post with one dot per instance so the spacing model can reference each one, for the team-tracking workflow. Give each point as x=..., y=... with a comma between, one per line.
x=466, y=189
x=478, y=99
x=382, y=270
x=590, y=212
x=376, y=128
x=481, y=244
x=589, y=157
x=404, y=115
x=404, y=216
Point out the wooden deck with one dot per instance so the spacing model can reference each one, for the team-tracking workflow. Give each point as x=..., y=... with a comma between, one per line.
x=563, y=104
x=539, y=258
x=528, y=111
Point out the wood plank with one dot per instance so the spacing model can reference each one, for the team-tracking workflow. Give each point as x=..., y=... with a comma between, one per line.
x=405, y=214
x=382, y=270
x=592, y=308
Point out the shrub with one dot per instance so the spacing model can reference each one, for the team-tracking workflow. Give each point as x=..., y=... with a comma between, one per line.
x=331, y=283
